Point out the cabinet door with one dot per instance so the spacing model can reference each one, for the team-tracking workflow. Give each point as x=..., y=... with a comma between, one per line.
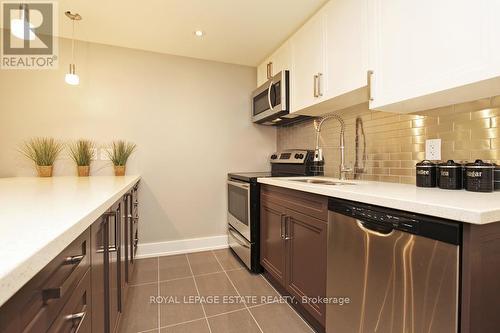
x=272, y=245
x=98, y=238
x=308, y=64
x=346, y=26
x=114, y=267
x=262, y=73
x=422, y=54
x=306, y=251
x=281, y=59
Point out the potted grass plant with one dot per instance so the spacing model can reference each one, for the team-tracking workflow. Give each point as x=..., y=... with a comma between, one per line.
x=82, y=153
x=43, y=152
x=118, y=153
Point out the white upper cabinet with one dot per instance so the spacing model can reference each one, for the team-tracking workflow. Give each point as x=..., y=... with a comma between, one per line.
x=307, y=83
x=330, y=59
x=433, y=53
x=346, y=46
x=280, y=60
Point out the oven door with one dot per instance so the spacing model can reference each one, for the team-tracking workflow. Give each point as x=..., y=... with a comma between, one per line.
x=238, y=207
x=270, y=101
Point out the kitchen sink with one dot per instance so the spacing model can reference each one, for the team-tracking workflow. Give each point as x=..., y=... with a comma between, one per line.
x=321, y=181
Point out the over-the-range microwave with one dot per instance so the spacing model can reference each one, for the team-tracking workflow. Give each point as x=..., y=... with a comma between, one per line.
x=271, y=101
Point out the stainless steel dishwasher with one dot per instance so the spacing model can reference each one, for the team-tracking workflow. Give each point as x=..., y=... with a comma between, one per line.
x=391, y=271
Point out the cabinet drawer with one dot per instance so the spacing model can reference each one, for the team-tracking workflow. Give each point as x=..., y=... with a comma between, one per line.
x=75, y=315
x=37, y=304
x=306, y=203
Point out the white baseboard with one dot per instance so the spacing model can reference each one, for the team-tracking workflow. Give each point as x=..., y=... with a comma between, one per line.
x=148, y=250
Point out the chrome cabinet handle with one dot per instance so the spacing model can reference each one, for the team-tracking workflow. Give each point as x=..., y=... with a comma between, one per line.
x=369, y=76
x=282, y=230
x=73, y=259
x=269, y=68
x=59, y=292
x=269, y=95
x=80, y=317
x=320, y=93
x=315, y=86
x=287, y=228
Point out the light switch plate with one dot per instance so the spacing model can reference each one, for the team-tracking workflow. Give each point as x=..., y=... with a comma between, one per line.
x=433, y=150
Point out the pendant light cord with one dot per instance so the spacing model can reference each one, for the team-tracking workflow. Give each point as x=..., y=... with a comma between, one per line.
x=73, y=43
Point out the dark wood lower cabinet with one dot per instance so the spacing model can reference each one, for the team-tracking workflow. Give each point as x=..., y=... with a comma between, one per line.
x=272, y=251
x=84, y=288
x=293, y=247
x=306, y=250
x=76, y=314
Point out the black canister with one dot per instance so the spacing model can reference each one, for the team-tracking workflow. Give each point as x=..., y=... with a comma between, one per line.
x=426, y=174
x=450, y=175
x=480, y=176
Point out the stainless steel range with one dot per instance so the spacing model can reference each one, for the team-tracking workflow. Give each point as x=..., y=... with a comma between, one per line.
x=244, y=201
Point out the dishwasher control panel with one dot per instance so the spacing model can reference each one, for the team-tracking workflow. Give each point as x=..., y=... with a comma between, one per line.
x=385, y=220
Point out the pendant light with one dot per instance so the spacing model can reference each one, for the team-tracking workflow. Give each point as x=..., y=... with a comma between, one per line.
x=20, y=27
x=72, y=78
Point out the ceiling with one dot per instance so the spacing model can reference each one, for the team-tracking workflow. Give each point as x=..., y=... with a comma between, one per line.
x=236, y=31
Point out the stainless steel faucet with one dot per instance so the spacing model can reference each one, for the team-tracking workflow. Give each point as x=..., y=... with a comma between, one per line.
x=318, y=153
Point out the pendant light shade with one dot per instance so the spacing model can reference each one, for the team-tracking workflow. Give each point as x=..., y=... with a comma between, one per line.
x=71, y=77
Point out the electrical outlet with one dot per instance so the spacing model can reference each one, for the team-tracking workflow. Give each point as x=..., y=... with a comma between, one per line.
x=433, y=150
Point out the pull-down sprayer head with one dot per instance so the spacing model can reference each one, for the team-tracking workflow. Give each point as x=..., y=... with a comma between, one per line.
x=318, y=153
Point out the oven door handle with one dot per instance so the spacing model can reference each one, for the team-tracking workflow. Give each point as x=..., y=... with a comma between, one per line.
x=237, y=238
x=238, y=184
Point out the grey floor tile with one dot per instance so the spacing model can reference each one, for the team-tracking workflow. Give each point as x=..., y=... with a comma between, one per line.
x=218, y=287
x=253, y=286
x=145, y=271
x=234, y=322
x=174, y=267
x=198, y=326
x=203, y=263
x=180, y=303
x=140, y=314
x=277, y=317
x=227, y=259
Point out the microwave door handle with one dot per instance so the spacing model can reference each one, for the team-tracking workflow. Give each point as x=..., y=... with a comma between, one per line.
x=269, y=95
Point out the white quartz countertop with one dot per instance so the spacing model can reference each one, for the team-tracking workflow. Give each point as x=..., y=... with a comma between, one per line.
x=463, y=206
x=39, y=217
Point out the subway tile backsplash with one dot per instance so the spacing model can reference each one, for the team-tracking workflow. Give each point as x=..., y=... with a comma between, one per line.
x=386, y=146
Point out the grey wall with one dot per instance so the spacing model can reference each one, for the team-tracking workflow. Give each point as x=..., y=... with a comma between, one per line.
x=189, y=118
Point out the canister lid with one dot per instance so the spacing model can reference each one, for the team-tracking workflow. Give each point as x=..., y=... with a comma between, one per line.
x=426, y=164
x=450, y=164
x=480, y=164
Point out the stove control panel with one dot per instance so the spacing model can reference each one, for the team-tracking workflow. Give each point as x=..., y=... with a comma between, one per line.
x=290, y=157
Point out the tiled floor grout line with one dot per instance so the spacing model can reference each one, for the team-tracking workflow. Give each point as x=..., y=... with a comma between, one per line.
x=239, y=295
x=159, y=308
x=198, y=292
x=305, y=322
x=182, y=278
x=213, y=316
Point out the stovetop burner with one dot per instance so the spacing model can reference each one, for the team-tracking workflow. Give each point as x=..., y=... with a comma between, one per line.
x=288, y=163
